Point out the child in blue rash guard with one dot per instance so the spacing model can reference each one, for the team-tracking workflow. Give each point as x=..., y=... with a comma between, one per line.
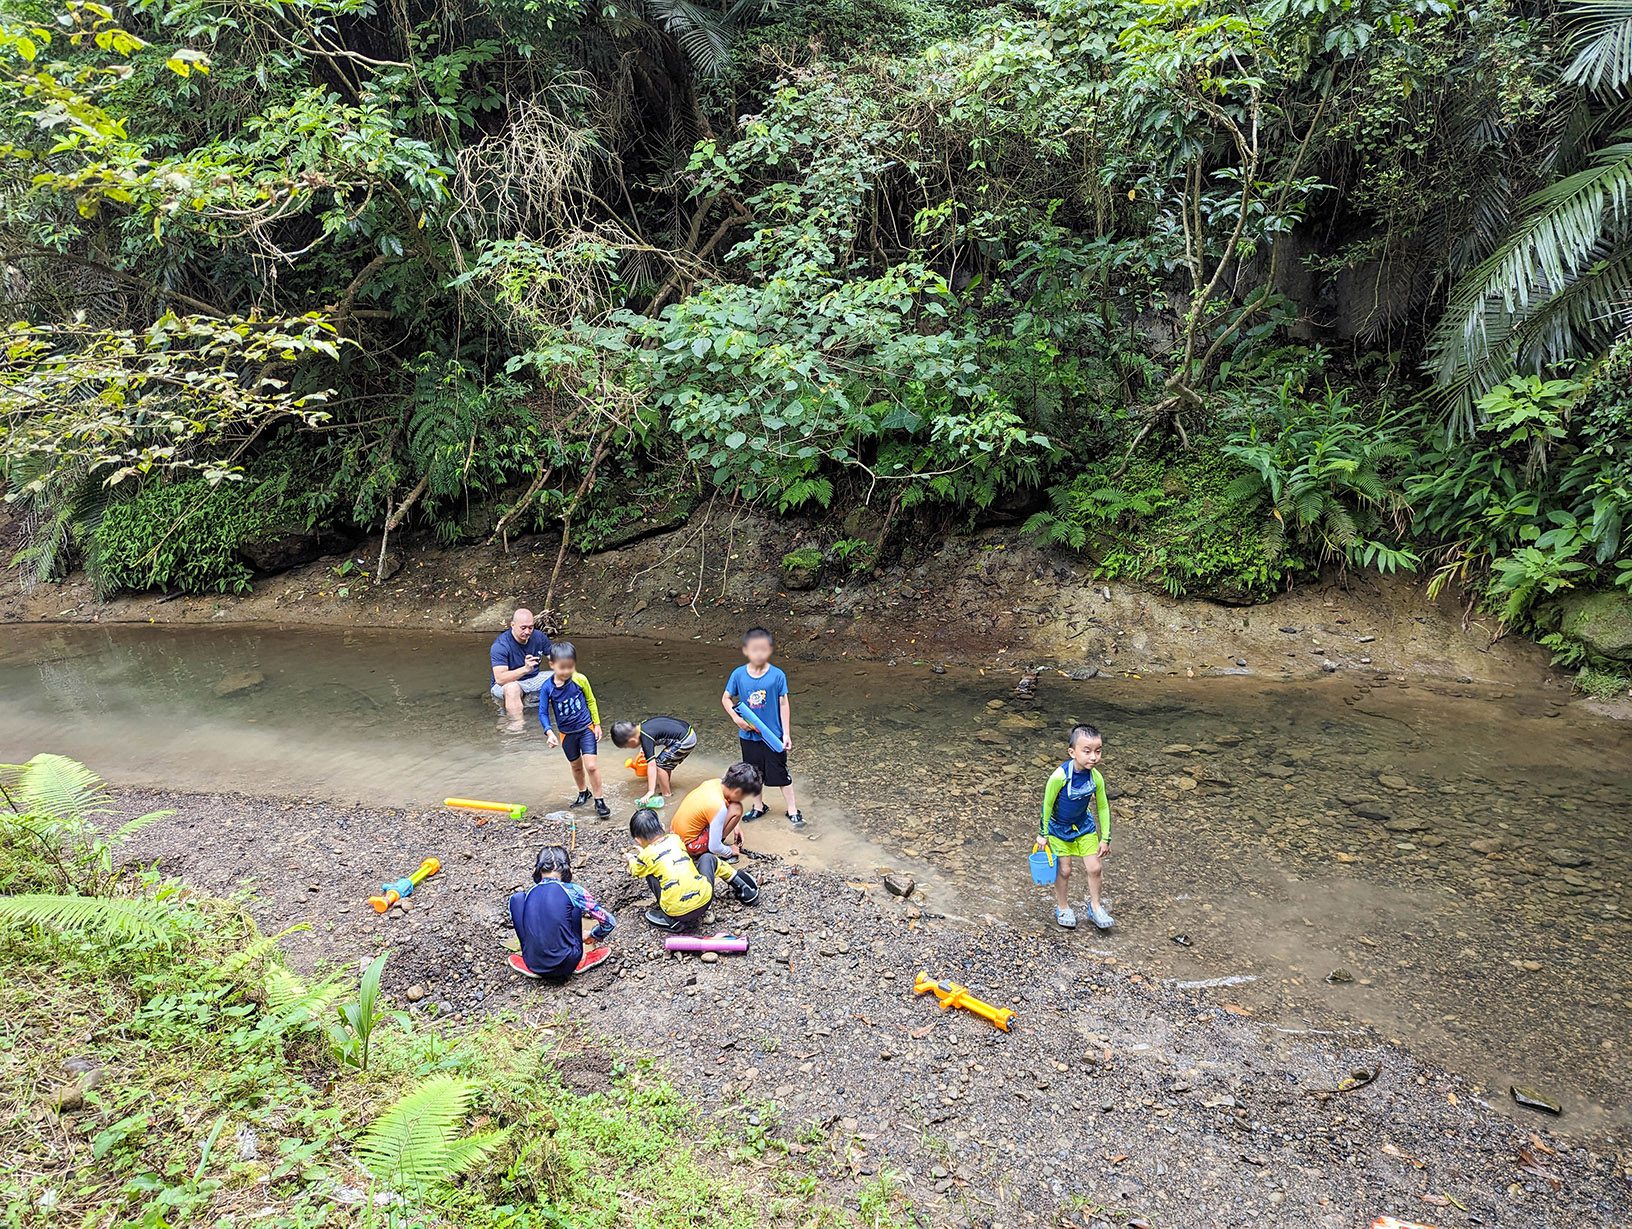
x=568, y=701
x=553, y=918
x=764, y=689
x=1076, y=823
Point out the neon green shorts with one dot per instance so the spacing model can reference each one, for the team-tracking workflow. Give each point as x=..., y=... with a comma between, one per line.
x=1082, y=847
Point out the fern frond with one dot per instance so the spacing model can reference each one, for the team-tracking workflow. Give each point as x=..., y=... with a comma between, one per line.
x=139, y=918
x=131, y=827
x=236, y=962
x=293, y=1003
x=57, y=786
x=1341, y=530
x=413, y=1144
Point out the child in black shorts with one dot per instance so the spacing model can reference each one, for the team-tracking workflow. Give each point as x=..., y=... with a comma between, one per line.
x=664, y=744
x=762, y=689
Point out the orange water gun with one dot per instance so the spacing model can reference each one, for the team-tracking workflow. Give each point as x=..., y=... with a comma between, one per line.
x=391, y=893
x=951, y=995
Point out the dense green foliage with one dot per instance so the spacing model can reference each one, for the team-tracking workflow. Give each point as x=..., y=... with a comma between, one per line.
x=1233, y=292
x=165, y=1066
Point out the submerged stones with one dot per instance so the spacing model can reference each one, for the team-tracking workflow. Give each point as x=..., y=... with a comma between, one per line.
x=238, y=683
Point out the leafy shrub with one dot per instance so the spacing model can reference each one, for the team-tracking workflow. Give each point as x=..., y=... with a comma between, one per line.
x=1322, y=472
x=183, y=535
x=1537, y=502
x=1170, y=521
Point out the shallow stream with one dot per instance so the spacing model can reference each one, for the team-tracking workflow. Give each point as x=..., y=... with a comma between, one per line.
x=1450, y=866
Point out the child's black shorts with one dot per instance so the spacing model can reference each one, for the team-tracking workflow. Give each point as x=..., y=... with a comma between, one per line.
x=773, y=765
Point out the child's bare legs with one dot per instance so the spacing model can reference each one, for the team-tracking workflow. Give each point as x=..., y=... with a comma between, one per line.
x=1062, y=882
x=665, y=780
x=788, y=798
x=578, y=773
x=589, y=765
x=1095, y=875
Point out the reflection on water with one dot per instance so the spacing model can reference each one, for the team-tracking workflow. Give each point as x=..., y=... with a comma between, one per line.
x=1449, y=868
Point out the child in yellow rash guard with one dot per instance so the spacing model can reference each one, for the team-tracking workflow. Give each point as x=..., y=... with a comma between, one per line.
x=1076, y=823
x=683, y=888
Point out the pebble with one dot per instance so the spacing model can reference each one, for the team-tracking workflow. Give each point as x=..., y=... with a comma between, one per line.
x=710, y=957
x=416, y=992
x=1531, y=1099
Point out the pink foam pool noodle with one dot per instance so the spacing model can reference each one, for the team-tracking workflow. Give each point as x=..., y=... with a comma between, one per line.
x=729, y=944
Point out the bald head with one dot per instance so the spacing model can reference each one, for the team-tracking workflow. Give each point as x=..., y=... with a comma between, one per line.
x=521, y=625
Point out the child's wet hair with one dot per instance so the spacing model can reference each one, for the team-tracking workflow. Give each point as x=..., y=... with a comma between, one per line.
x=553, y=860
x=646, y=825
x=562, y=650
x=758, y=633
x=1079, y=732
x=623, y=733
x=743, y=776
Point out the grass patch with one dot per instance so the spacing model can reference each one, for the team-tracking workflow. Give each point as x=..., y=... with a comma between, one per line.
x=1602, y=684
x=166, y=1067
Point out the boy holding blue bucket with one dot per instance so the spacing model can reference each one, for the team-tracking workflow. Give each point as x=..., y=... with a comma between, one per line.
x=1076, y=824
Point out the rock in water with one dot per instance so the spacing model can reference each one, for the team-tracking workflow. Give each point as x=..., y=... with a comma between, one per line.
x=237, y=684
x=1371, y=808
x=1531, y=1099
x=900, y=885
x=1569, y=858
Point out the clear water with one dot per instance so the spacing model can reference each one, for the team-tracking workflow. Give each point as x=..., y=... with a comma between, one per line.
x=1489, y=927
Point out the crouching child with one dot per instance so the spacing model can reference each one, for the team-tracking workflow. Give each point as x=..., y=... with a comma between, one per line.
x=683, y=888
x=559, y=923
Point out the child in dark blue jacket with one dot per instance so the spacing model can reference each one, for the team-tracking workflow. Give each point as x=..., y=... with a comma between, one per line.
x=553, y=918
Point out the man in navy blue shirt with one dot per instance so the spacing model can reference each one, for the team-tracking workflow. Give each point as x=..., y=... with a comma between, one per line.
x=515, y=657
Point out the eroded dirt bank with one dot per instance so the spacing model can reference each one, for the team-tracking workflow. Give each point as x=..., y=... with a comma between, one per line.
x=985, y=598
x=1115, y=1097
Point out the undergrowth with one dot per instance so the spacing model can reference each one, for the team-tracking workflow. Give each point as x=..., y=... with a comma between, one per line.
x=167, y=1067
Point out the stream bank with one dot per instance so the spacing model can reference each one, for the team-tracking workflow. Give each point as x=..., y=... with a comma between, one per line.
x=989, y=598
x=1117, y=1097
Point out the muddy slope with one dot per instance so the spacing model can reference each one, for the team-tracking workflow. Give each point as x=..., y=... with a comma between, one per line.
x=1114, y=1098
x=988, y=597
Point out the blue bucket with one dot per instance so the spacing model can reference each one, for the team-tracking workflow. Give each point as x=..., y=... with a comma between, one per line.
x=1042, y=867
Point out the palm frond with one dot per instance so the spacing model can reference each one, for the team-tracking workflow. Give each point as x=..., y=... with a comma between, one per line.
x=1578, y=225
x=703, y=34
x=140, y=918
x=57, y=786
x=1601, y=38
x=414, y=1144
